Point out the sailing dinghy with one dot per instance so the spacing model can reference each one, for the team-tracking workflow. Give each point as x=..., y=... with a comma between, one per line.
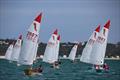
x=99, y=48
x=29, y=43
x=86, y=53
x=97, y=53
x=50, y=51
x=73, y=52
x=9, y=52
x=16, y=49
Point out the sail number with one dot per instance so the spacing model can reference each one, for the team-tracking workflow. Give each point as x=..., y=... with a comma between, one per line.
x=32, y=36
x=100, y=39
x=91, y=42
x=51, y=44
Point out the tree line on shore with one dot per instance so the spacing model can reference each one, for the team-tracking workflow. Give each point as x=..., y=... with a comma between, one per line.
x=65, y=48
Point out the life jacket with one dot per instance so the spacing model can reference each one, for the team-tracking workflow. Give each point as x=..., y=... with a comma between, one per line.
x=106, y=67
x=97, y=67
x=28, y=71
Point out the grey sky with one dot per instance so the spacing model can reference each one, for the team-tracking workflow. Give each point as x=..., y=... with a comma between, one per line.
x=75, y=19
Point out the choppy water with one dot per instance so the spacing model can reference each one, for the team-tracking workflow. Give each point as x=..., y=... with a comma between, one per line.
x=67, y=71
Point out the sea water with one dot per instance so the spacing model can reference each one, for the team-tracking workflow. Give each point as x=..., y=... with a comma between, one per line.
x=67, y=71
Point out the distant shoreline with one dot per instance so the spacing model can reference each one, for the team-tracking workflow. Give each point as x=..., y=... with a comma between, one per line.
x=3, y=57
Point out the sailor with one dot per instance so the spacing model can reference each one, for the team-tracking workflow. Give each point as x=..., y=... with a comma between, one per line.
x=56, y=65
x=40, y=69
x=98, y=68
x=105, y=67
x=28, y=71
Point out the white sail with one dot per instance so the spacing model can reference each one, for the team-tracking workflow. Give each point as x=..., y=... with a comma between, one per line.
x=29, y=42
x=36, y=48
x=50, y=49
x=57, y=48
x=73, y=52
x=9, y=52
x=89, y=46
x=16, y=49
x=99, y=48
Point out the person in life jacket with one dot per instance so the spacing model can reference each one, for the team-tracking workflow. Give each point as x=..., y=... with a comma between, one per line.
x=40, y=69
x=56, y=65
x=105, y=67
x=98, y=68
x=28, y=71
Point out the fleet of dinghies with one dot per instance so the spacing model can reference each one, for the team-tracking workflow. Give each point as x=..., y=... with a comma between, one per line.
x=94, y=51
x=99, y=47
x=13, y=51
x=25, y=50
x=24, y=53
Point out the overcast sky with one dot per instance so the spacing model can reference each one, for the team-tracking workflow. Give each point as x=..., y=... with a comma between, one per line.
x=75, y=19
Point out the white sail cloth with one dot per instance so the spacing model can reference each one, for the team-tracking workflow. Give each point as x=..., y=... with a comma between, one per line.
x=96, y=52
x=36, y=48
x=16, y=49
x=9, y=52
x=86, y=53
x=29, y=43
x=99, y=48
x=57, y=48
x=49, y=55
x=73, y=52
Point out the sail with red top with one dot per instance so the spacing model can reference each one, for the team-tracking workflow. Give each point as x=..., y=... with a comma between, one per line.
x=51, y=48
x=29, y=42
x=99, y=48
x=86, y=54
x=17, y=49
